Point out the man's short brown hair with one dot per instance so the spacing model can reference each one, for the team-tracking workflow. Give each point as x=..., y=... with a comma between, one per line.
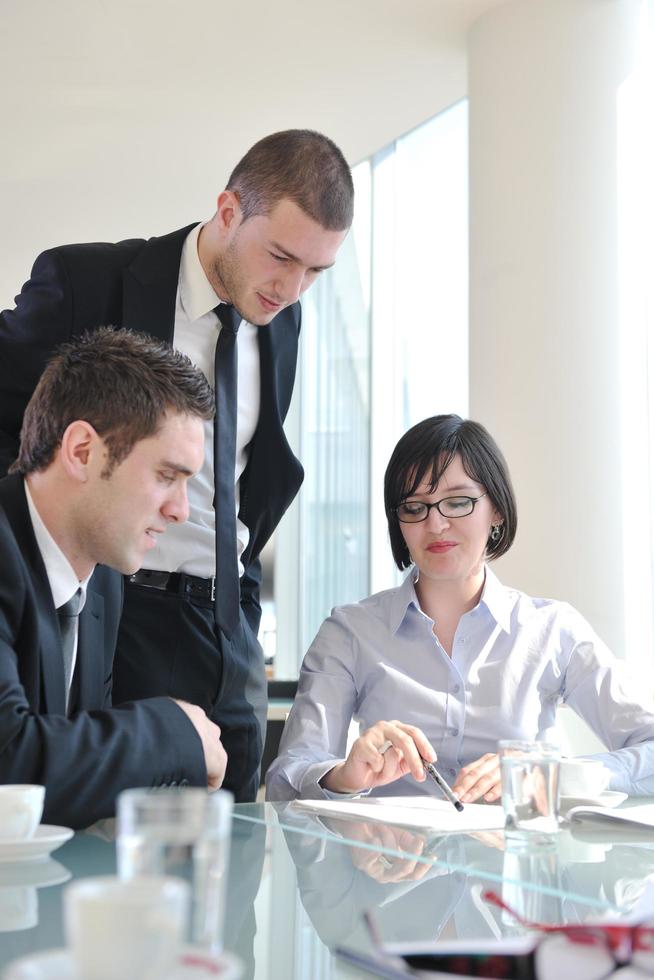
x=122, y=383
x=302, y=166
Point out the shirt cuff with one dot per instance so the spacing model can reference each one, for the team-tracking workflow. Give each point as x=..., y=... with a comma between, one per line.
x=310, y=788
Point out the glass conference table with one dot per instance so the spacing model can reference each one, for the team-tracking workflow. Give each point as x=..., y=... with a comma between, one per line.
x=299, y=884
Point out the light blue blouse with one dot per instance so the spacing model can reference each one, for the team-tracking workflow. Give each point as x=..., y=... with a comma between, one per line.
x=514, y=659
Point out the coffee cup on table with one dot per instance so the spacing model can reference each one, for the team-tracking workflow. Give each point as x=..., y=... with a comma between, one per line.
x=21, y=807
x=583, y=777
x=129, y=929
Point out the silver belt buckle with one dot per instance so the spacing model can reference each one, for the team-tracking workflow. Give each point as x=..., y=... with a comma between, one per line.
x=213, y=588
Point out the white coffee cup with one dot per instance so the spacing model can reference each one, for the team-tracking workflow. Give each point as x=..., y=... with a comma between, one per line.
x=21, y=807
x=128, y=929
x=583, y=777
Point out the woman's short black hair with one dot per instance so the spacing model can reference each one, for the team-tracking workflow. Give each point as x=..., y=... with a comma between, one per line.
x=424, y=453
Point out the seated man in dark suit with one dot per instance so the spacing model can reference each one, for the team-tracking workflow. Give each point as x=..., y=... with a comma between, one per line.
x=113, y=432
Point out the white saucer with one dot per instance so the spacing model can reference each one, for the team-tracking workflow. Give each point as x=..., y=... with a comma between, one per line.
x=46, y=839
x=32, y=874
x=57, y=964
x=609, y=798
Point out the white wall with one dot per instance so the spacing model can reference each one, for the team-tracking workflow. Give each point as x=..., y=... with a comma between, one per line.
x=124, y=117
x=544, y=287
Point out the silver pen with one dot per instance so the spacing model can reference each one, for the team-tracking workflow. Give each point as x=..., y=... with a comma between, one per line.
x=432, y=771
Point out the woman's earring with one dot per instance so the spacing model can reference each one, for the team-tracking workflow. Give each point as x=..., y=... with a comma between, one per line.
x=496, y=533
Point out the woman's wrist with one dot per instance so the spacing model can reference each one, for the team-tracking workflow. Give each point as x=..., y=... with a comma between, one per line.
x=334, y=782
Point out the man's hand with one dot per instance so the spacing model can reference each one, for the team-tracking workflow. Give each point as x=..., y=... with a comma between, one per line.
x=480, y=779
x=215, y=757
x=366, y=767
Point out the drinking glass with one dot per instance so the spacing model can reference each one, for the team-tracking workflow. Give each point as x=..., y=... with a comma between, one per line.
x=183, y=832
x=530, y=786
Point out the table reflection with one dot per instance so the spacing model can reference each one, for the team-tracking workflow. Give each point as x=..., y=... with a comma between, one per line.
x=31, y=902
x=424, y=886
x=298, y=884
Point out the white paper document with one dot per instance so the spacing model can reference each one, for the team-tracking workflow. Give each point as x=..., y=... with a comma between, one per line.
x=412, y=811
x=632, y=817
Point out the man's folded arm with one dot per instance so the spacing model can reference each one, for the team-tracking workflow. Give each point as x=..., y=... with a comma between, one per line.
x=86, y=760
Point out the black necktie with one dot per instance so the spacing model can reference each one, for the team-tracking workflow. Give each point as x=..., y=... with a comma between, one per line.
x=68, y=615
x=228, y=597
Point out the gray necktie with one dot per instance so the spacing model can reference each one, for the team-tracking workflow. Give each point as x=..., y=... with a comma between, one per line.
x=68, y=615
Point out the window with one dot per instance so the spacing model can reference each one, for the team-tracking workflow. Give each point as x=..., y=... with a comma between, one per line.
x=384, y=344
x=420, y=296
x=322, y=546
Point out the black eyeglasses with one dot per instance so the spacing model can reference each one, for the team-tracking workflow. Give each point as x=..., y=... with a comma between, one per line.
x=415, y=511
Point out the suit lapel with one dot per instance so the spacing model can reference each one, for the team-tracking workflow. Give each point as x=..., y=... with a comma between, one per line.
x=273, y=474
x=150, y=286
x=278, y=343
x=90, y=652
x=52, y=687
x=52, y=658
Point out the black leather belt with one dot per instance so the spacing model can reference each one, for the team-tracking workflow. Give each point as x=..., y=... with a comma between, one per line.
x=190, y=586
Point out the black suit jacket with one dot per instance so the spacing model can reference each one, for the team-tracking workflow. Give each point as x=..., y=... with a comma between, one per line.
x=133, y=284
x=84, y=761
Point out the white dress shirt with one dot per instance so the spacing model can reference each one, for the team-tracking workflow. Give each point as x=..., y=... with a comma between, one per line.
x=190, y=547
x=514, y=659
x=61, y=575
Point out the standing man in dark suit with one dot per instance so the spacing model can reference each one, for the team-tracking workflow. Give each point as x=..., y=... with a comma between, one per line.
x=110, y=438
x=226, y=293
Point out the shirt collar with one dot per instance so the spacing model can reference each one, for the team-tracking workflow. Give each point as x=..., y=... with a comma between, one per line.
x=404, y=597
x=196, y=293
x=494, y=597
x=61, y=576
x=498, y=600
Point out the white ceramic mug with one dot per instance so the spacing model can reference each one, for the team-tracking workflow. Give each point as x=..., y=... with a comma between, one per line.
x=21, y=808
x=583, y=777
x=128, y=929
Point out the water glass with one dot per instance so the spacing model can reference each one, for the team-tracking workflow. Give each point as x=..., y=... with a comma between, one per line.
x=530, y=786
x=183, y=832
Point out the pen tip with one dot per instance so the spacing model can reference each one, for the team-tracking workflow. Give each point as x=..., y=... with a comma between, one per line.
x=459, y=805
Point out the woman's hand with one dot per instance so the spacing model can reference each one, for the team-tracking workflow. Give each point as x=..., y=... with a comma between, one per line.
x=384, y=867
x=480, y=779
x=367, y=767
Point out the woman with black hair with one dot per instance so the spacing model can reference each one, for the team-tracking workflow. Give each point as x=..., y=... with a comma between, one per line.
x=460, y=659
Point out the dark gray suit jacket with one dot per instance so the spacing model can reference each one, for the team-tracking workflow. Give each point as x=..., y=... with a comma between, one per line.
x=85, y=760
